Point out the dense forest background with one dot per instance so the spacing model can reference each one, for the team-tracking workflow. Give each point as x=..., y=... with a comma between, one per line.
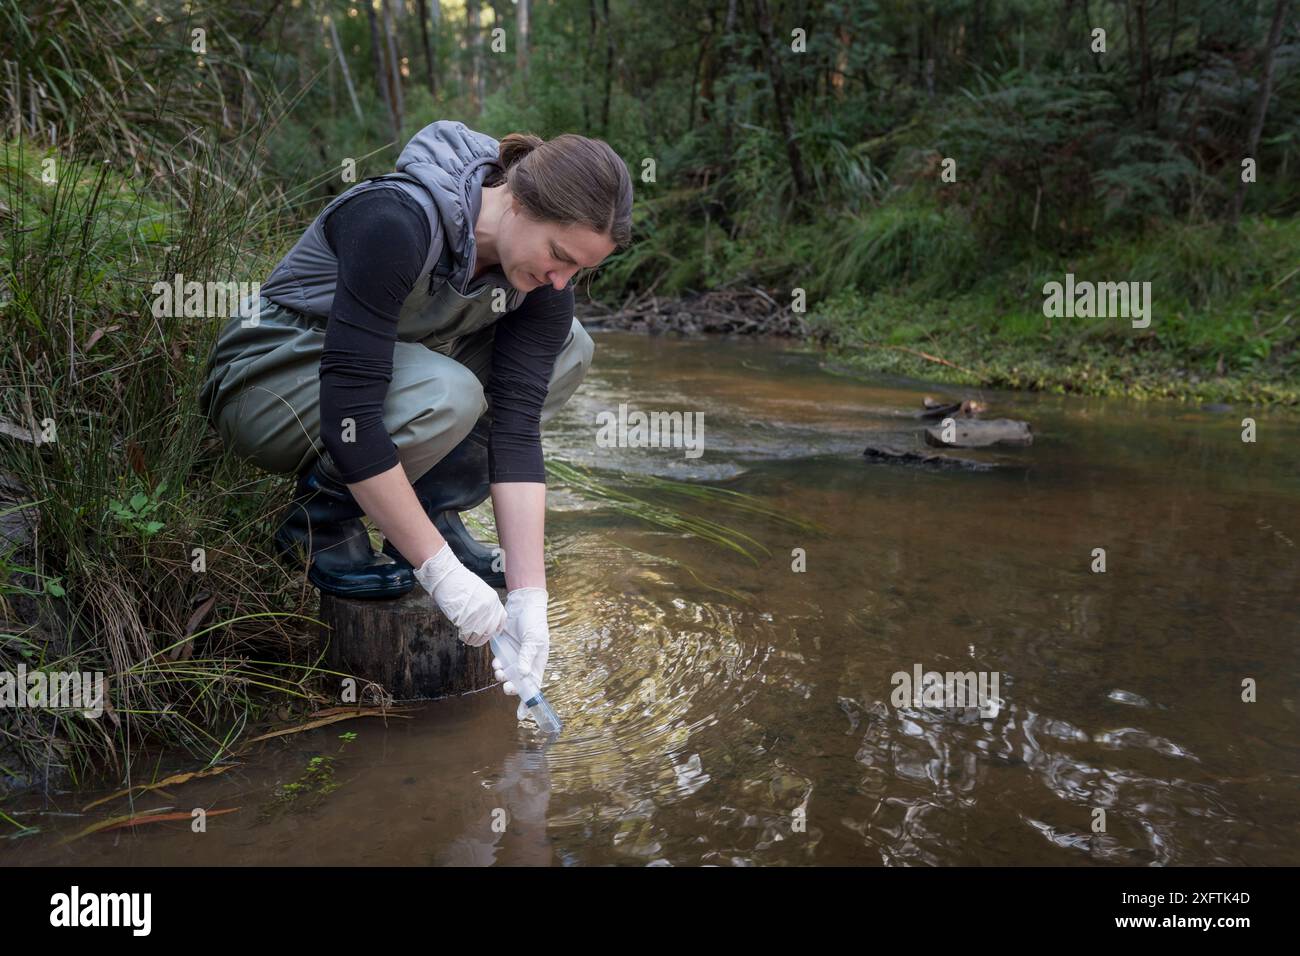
x=917, y=169
x=902, y=176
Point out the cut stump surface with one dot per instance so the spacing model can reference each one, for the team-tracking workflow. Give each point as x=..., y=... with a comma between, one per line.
x=406, y=645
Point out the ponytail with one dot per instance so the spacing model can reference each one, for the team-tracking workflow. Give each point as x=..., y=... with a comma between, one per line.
x=516, y=146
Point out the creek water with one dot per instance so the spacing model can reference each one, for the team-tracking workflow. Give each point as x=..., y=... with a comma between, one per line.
x=735, y=711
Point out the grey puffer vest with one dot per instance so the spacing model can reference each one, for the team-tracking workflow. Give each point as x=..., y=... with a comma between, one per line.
x=443, y=168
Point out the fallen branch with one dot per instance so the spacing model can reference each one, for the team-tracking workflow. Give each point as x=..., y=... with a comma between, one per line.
x=925, y=355
x=171, y=781
x=313, y=724
x=138, y=819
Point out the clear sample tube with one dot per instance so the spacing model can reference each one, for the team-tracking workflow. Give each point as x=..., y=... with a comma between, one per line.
x=547, y=720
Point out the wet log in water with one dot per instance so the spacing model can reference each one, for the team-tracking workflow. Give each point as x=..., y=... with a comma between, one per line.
x=405, y=645
x=897, y=453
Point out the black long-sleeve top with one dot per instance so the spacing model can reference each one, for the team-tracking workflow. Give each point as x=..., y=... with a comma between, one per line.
x=380, y=238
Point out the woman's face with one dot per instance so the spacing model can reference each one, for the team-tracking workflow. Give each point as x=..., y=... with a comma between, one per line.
x=534, y=253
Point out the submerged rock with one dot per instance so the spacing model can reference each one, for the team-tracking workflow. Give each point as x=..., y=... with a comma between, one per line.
x=971, y=433
x=1128, y=697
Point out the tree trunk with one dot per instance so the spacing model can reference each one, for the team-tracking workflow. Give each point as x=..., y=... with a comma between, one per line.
x=779, y=94
x=381, y=70
x=394, y=66
x=343, y=66
x=728, y=29
x=935, y=45
x=609, y=73
x=843, y=43
x=428, y=47
x=1128, y=38
x=1064, y=39
x=704, y=67
x=1173, y=34
x=475, y=38
x=588, y=57
x=1144, y=61
x=334, y=86
x=494, y=62
x=1261, y=104
x=521, y=45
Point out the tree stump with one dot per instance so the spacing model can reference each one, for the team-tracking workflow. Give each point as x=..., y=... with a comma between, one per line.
x=406, y=645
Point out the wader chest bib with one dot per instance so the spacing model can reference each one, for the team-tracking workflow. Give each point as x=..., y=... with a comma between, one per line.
x=262, y=392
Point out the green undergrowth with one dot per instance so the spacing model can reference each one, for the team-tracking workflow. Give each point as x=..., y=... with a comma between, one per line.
x=1223, y=322
x=145, y=556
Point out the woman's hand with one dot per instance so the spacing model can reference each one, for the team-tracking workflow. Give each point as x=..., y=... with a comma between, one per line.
x=526, y=627
x=467, y=600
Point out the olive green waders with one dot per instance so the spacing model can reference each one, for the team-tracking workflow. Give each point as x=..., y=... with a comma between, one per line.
x=262, y=394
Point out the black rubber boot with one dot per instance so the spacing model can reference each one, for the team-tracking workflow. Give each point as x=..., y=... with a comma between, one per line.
x=323, y=524
x=457, y=483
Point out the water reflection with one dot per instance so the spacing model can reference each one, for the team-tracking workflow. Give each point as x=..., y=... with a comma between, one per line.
x=758, y=729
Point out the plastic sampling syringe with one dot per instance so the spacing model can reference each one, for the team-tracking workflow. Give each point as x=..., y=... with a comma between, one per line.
x=547, y=720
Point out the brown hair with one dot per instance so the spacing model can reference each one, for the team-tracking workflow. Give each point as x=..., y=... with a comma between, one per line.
x=570, y=180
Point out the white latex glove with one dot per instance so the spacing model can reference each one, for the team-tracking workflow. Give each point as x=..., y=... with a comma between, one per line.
x=468, y=601
x=527, y=632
